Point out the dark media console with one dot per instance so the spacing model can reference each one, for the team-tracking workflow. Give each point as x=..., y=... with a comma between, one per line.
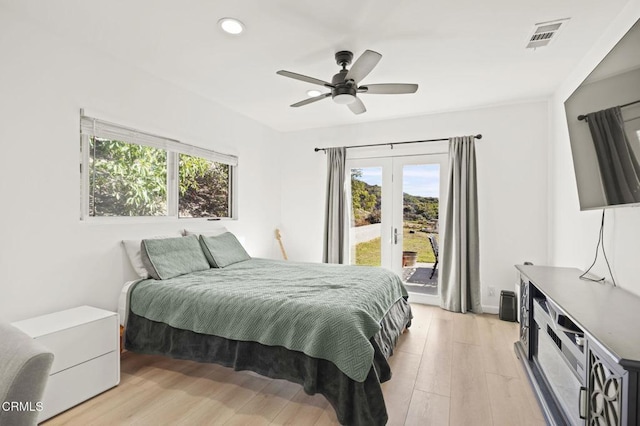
x=580, y=346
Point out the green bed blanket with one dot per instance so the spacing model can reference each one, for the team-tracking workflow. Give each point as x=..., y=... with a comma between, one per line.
x=325, y=311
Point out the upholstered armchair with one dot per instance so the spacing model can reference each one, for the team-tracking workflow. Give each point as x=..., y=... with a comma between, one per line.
x=24, y=370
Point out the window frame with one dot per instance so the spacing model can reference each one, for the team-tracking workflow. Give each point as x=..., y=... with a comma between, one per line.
x=92, y=127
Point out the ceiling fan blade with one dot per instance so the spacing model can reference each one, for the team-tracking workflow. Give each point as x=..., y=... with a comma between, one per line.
x=388, y=89
x=357, y=107
x=363, y=65
x=311, y=100
x=304, y=78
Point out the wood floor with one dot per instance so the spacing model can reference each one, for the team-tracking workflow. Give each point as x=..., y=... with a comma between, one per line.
x=448, y=369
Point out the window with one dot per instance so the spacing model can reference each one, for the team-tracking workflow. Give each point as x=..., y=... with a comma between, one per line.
x=204, y=188
x=126, y=179
x=127, y=173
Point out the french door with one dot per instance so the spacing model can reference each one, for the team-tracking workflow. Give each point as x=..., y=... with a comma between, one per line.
x=396, y=218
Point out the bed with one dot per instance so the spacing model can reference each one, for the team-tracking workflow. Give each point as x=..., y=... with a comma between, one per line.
x=330, y=328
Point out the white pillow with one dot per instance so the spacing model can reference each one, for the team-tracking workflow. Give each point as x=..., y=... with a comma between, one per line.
x=218, y=230
x=132, y=248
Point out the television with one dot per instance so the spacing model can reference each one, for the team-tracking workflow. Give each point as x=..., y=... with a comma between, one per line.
x=603, y=117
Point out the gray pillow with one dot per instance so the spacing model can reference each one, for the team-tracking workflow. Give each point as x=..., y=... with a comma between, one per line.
x=223, y=250
x=170, y=257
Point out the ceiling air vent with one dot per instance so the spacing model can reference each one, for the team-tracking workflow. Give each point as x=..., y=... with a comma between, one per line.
x=544, y=33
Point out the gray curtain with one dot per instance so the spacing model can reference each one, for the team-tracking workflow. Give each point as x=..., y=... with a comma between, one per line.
x=460, y=268
x=335, y=222
x=618, y=164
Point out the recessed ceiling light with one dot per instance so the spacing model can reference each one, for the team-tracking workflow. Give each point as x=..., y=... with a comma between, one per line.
x=314, y=93
x=231, y=25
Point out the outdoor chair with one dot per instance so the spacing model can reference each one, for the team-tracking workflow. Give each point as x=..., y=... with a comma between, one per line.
x=434, y=247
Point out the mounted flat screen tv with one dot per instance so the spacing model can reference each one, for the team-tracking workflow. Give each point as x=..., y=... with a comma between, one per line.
x=603, y=116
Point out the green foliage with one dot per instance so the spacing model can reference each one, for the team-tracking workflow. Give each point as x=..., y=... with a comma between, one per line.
x=420, y=209
x=204, y=188
x=367, y=202
x=190, y=171
x=363, y=199
x=131, y=180
x=127, y=179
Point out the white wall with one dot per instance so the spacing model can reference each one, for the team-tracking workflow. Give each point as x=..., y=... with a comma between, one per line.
x=49, y=260
x=512, y=173
x=573, y=234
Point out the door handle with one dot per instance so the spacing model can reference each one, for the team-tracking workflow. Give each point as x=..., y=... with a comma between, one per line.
x=395, y=235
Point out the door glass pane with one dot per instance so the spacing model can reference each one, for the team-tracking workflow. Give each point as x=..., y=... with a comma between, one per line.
x=421, y=199
x=366, y=216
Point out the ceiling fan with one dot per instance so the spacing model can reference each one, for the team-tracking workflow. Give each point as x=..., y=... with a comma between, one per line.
x=345, y=84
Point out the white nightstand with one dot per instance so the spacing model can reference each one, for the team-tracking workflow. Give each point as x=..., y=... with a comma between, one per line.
x=85, y=343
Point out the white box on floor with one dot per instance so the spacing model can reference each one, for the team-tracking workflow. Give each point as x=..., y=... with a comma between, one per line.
x=85, y=344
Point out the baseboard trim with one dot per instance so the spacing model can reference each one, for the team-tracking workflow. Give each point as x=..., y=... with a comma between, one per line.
x=491, y=310
x=430, y=300
x=424, y=299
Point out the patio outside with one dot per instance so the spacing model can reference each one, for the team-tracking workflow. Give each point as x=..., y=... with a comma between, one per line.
x=418, y=279
x=420, y=208
x=418, y=261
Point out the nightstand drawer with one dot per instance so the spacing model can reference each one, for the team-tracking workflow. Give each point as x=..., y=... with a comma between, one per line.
x=74, y=385
x=83, y=342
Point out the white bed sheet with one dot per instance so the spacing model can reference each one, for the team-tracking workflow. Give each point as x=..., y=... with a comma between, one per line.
x=123, y=302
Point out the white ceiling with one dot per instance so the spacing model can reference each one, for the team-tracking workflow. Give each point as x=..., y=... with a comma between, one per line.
x=462, y=53
x=622, y=58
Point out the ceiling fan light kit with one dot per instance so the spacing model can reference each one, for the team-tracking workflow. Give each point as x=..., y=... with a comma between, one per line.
x=344, y=98
x=344, y=85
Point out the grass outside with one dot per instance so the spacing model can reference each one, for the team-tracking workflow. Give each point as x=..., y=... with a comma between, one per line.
x=368, y=253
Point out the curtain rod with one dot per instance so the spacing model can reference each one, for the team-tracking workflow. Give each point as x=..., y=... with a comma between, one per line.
x=582, y=117
x=391, y=144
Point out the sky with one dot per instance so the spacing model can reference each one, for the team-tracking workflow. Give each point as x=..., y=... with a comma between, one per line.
x=420, y=179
